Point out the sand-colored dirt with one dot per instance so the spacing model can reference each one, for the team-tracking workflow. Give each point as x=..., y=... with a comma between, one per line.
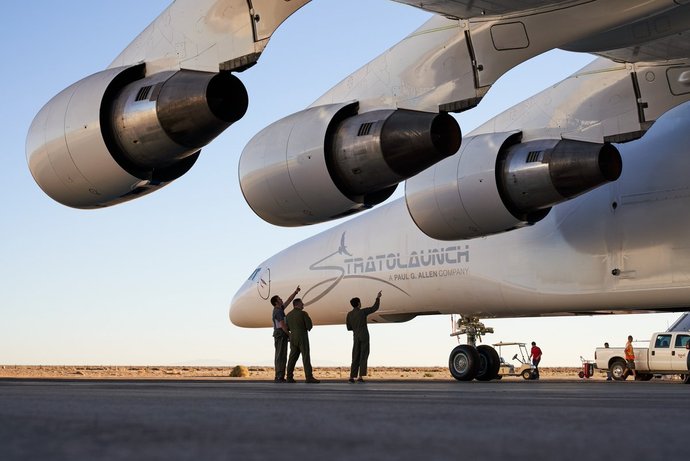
x=246, y=373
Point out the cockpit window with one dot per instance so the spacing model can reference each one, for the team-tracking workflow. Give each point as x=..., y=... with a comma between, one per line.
x=254, y=274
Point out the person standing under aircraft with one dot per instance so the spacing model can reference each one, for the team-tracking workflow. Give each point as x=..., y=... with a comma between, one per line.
x=629, y=359
x=535, y=355
x=299, y=324
x=357, y=323
x=280, y=334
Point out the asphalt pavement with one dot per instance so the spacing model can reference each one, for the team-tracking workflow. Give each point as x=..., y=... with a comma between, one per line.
x=397, y=420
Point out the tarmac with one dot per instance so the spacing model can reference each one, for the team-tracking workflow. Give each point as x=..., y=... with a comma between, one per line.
x=334, y=420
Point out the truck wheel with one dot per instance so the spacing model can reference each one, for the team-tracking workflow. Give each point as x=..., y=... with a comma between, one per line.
x=527, y=374
x=464, y=362
x=489, y=363
x=686, y=379
x=618, y=369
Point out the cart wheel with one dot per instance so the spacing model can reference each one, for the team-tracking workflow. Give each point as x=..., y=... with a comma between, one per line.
x=581, y=374
x=527, y=374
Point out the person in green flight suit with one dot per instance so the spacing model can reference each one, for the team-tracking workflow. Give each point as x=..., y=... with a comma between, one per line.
x=299, y=324
x=280, y=334
x=357, y=323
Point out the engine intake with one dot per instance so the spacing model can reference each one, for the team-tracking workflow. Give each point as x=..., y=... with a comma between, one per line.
x=496, y=184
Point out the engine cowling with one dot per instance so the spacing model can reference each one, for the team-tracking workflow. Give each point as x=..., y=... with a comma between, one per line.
x=497, y=183
x=329, y=161
x=118, y=134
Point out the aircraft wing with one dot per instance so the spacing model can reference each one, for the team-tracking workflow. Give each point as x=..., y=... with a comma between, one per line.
x=141, y=123
x=673, y=47
x=657, y=37
x=207, y=35
x=388, y=121
x=471, y=8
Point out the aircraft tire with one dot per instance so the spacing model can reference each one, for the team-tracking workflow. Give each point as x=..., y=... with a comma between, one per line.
x=489, y=363
x=464, y=362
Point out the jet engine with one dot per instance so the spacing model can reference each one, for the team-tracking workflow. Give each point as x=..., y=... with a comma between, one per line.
x=330, y=161
x=118, y=134
x=497, y=183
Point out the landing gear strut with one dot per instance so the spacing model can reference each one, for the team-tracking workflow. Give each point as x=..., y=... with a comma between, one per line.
x=469, y=361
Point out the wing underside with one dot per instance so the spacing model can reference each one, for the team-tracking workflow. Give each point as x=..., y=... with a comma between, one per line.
x=466, y=9
x=660, y=37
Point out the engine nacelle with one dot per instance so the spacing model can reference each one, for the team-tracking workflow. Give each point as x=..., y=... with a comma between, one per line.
x=116, y=135
x=496, y=184
x=329, y=161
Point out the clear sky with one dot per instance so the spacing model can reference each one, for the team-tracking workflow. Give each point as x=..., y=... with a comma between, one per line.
x=150, y=281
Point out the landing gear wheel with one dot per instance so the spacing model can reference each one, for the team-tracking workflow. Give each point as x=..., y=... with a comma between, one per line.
x=618, y=370
x=464, y=362
x=489, y=363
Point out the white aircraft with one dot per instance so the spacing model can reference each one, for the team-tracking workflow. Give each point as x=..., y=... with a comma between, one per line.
x=485, y=230
x=486, y=227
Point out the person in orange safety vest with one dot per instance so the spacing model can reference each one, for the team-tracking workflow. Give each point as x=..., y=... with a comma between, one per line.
x=629, y=359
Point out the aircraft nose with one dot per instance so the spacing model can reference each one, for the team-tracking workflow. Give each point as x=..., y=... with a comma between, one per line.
x=248, y=309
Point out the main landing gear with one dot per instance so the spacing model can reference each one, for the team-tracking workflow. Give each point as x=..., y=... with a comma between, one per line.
x=469, y=361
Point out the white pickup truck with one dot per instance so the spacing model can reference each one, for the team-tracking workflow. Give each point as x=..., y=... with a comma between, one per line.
x=667, y=356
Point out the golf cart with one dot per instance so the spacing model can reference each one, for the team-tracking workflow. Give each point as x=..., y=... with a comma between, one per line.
x=523, y=367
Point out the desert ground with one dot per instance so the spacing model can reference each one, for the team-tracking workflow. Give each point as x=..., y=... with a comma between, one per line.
x=242, y=372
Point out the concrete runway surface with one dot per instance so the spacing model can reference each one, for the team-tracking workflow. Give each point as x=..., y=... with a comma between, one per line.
x=394, y=420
